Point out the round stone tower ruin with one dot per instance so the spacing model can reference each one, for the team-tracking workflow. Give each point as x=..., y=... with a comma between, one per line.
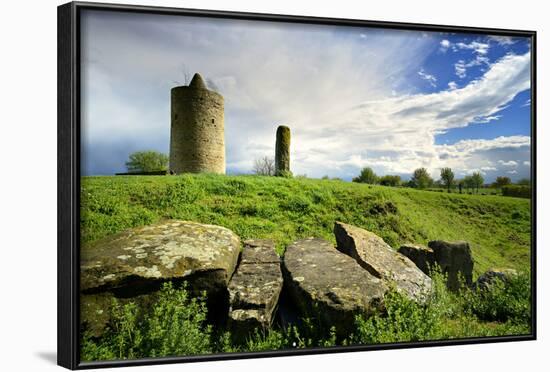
x=197, y=142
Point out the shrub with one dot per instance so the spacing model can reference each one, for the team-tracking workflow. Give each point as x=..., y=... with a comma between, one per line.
x=389, y=180
x=174, y=325
x=518, y=191
x=505, y=300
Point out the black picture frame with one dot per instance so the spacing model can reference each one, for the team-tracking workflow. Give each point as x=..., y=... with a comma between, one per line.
x=69, y=179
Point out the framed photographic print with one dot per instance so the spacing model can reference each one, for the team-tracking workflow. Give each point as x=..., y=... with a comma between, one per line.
x=237, y=185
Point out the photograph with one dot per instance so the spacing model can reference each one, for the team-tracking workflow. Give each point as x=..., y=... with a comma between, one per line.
x=252, y=185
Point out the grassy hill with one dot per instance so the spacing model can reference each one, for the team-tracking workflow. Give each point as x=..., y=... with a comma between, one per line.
x=498, y=228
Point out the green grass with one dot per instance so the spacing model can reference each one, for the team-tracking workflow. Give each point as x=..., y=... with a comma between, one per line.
x=286, y=209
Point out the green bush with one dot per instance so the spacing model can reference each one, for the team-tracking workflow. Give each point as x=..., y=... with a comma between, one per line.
x=175, y=325
x=518, y=191
x=446, y=314
x=505, y=300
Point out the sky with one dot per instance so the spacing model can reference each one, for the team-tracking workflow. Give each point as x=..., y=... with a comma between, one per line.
x=353, y=97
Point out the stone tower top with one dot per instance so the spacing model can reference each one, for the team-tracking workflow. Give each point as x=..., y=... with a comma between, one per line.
x=197, y=82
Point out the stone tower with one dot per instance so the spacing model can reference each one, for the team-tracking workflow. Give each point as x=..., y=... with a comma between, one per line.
x=197, y=130
x=282, y=151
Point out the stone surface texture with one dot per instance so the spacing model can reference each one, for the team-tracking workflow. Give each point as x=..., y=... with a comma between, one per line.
x=254, y=289
x=329, y=285
x=379, y=259
x=133, y=264
x=282, y=151
x=197, y=142
x=488, y=278
x=454, y=258
x=422, y=256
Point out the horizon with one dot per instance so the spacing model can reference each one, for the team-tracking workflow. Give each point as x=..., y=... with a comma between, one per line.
x=353, y=97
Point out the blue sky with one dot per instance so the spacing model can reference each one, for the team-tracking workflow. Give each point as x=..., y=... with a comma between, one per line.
x=353, y=97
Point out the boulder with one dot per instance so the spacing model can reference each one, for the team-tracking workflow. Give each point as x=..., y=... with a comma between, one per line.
x=488, y=278
x=330, y=286
x=254, y=289
x=134, y=263
x=453, y=258
x=422, y=256
x=379, y=259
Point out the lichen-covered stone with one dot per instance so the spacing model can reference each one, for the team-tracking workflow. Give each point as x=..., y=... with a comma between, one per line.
x=167, y=250
x=254, y=289
x=329, y=285
x=282, y=151
x=454, y=259
x=488, y=278
x=423, y=257
x=134, y=263
x=379, y=259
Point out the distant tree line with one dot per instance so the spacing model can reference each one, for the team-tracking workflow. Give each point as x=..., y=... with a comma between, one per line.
x=421, y=179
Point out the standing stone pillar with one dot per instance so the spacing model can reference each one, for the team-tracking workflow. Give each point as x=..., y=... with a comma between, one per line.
x=282, y=151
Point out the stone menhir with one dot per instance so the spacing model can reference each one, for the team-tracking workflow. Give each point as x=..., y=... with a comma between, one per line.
x=282, y=151
x=254, y=289
x=454, y=258
x=379, y=259
x=197, y=142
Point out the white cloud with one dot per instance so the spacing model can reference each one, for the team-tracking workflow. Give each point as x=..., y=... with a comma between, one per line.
x=502, y=40
x=486, y=119
x=527, y=163
x=479, y=49
x=460, y=69
x=444, y=45
x=431, y=79
x=527, y=103
x=452, y=85
x=510, y=163
x=461, y=66
x=512, y=171
x=476, y=46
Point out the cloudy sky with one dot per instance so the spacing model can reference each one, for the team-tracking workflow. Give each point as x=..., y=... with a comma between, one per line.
x=353, y=97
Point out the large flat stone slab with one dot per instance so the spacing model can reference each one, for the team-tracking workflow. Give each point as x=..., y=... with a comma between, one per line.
x=166, y=250
x=254, y=289
x=330, y=286
x=133, y=264
x=379, y=259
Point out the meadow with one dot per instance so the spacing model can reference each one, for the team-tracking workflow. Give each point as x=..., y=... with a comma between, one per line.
x=285, y=209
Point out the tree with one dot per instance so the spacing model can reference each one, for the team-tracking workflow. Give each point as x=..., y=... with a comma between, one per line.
x=367, y=176
x=389, y=180
x=147, y=161
x=421, y=179
x=264, y=166
x=469, y=183
x=447, y=177
x=524, y=182
x=502, y=181
x=477, y=180
x=460, y=184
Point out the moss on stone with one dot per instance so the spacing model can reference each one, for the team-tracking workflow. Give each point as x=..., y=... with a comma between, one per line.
x=282, y=151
